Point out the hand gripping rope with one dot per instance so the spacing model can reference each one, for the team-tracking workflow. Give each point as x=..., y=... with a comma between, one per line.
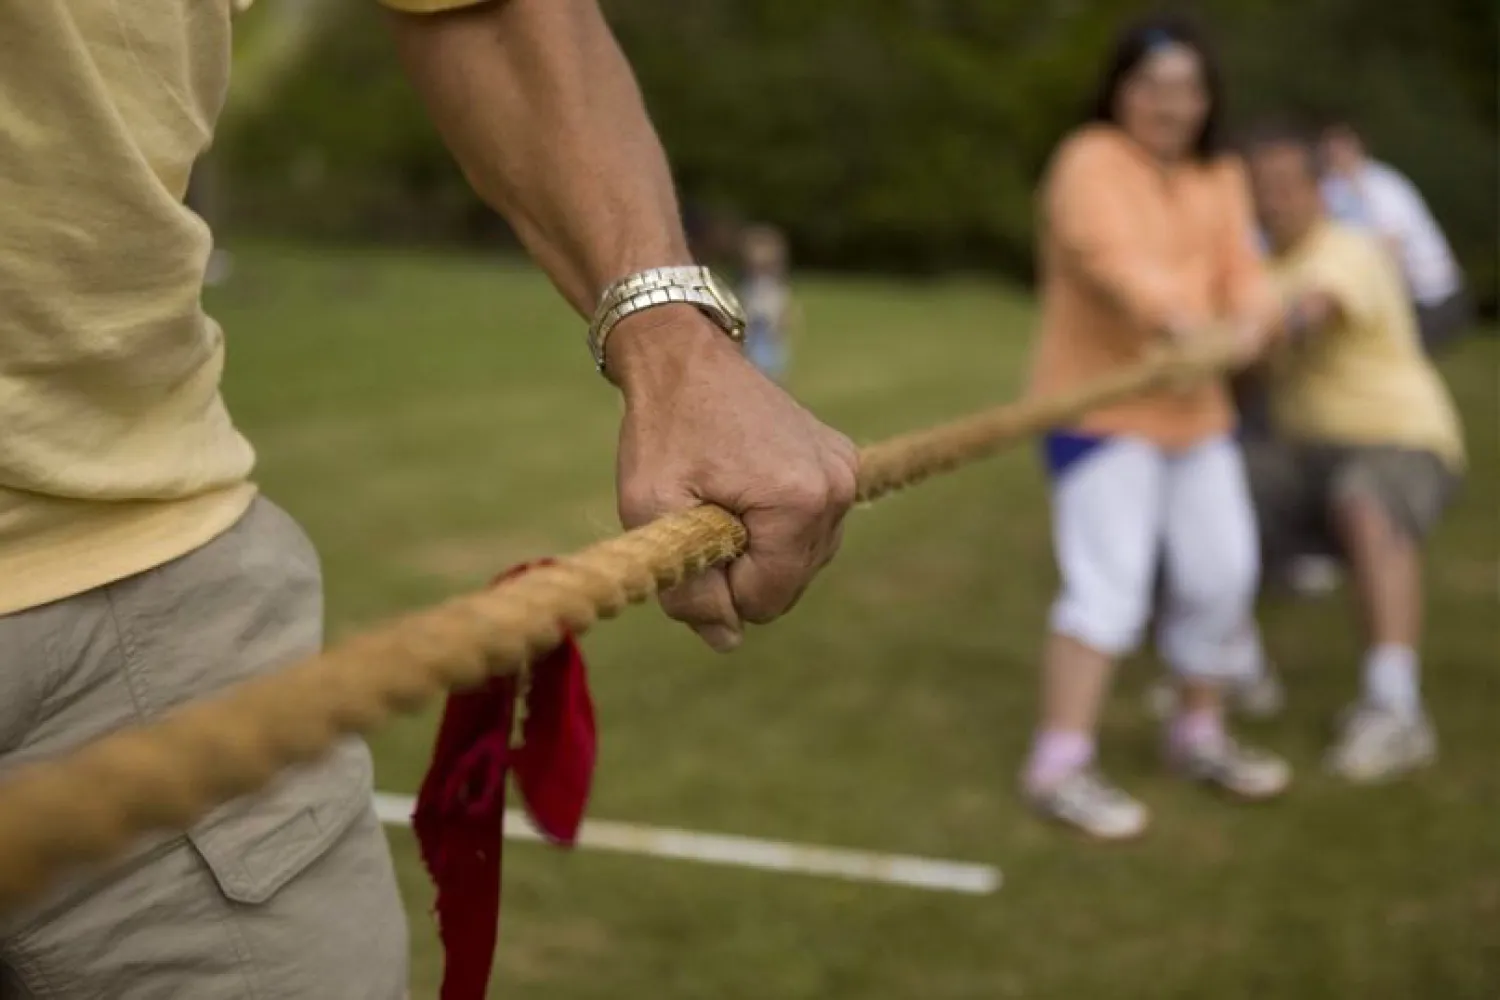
x=93, y=803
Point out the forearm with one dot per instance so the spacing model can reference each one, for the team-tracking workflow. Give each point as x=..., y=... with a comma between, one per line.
x=1254, y=309
x=1250, y=299
x=1094, y=231
x=1147, y=297
x=542, y=112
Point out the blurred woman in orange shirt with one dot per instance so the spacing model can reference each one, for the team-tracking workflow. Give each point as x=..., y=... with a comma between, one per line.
x=1146, y=239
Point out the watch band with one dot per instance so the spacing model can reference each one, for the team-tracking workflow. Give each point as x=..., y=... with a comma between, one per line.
x=689, y=285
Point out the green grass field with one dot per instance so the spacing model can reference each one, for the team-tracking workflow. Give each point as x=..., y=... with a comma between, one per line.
x=434, y=419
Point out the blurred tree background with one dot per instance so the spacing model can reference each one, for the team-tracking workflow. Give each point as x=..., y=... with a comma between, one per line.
x=892, y=135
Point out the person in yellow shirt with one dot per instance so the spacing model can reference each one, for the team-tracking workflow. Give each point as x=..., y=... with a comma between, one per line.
x=139, y=565
x=1365, y=447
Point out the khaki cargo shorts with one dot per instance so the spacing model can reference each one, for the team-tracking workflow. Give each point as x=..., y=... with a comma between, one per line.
x=286, y=894
x=1296, y=484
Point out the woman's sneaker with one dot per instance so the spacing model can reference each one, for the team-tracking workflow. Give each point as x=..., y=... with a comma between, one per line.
x=1085, y=801
x=1244, y=772
x=1377, y=744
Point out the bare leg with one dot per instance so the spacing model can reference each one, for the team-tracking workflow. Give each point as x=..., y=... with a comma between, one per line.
x=1387, y=734
x=1075, y=679
x=1387, y=571
x=1387, y=566
x=1199, y=721
x=1201, y=696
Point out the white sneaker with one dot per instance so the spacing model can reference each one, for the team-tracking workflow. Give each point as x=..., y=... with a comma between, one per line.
x=1377, y=744
x=1086, y=801
x=1242, y=771
x=1260, y=697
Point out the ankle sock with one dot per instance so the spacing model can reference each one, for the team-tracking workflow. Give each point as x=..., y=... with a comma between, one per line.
x=1055, y=754
x=1391, y=681
x=1197, y=729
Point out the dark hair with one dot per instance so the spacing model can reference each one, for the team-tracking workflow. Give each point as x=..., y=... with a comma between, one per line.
x=1134, y=44
x=1284, y=131
x=1341, y=123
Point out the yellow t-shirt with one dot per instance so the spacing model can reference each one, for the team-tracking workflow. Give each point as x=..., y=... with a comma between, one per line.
x=1367, y=380
x=116, y=451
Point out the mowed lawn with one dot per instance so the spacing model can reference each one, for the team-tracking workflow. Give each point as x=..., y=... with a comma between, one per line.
x=433, y=419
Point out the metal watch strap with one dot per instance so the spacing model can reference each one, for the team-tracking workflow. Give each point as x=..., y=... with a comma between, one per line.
x=687, y=285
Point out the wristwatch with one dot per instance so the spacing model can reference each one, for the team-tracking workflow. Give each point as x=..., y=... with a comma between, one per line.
x=660, y=286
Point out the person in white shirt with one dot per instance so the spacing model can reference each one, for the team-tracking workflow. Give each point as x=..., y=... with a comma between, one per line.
x=1361, y=191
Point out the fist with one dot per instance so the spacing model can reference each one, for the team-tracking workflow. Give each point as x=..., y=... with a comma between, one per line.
x=702, y=425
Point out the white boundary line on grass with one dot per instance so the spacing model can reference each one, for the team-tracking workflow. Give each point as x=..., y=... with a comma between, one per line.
x=745, y=852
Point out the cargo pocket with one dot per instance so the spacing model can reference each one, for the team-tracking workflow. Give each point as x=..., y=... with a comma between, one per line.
x=256, y=845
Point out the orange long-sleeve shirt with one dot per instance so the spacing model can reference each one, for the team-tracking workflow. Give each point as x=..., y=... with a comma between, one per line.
x=1126, y=245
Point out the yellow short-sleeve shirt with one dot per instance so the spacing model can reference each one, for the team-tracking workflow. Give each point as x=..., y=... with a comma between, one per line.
x=1368, y=379
x=116, y=451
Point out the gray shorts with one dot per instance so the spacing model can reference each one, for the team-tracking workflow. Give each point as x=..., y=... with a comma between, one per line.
x=1295, y=485
x=285, y=894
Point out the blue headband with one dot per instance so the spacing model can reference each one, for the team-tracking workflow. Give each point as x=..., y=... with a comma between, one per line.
x=1157, y=38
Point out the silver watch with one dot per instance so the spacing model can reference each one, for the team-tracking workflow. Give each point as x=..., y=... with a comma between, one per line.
x=660, y=286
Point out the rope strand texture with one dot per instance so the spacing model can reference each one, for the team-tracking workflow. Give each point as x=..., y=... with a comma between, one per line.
x=92, y=804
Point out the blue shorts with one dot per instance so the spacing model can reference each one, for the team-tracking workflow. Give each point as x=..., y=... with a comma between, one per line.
x=1061, y=449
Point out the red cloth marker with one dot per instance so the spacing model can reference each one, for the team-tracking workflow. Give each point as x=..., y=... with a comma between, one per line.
x=460, y=814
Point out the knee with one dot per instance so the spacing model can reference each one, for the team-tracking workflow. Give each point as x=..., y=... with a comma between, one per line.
x=1365, y=526
x=1356, y=508
x=1225, y=594
x=1217, y=578
x=1209, y=628
x=1112, y=624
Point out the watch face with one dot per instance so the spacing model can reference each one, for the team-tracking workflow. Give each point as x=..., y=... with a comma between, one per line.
x=728, y=301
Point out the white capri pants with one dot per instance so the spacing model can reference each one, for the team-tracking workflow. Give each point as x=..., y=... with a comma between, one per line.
x=1127, y=508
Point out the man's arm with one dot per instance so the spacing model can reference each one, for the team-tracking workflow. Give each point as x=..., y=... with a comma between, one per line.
x=542, y=112
x=1345, y=288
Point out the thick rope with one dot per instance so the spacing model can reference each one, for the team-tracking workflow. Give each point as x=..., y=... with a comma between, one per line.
x=93, y=804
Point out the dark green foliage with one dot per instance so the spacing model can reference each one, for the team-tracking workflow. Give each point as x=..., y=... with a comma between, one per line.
x=894, y=134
